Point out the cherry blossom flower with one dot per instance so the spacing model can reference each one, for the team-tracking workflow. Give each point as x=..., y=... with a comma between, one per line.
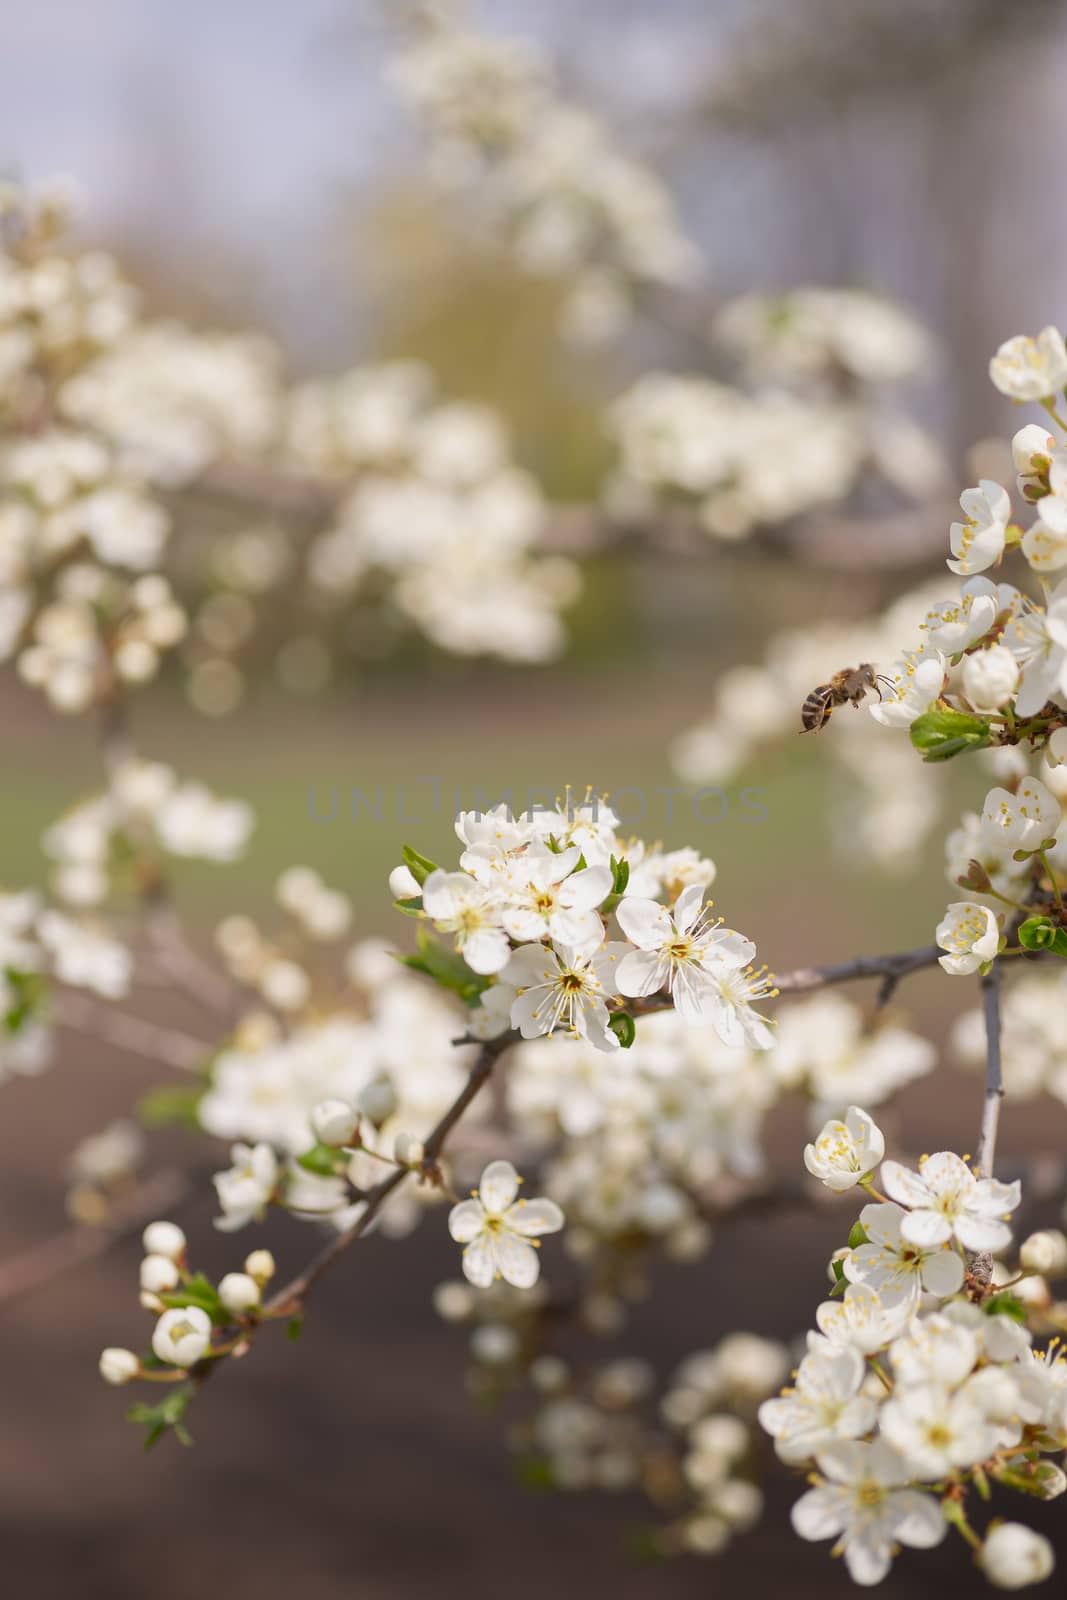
x=563, y=987
x=825, y=1405
x=1020, y=821
x=1030, y=369
x=246, y=1188
x=684, y=952
x=500, y=1231
x=861, y=1318
x=459, y=904
x=970, y=933
x=544, y=897
x=845, y=1152
x=895, y=1266
x=978, y=541
x=935, y=1431
x=861, y=1502
x=182, y=1336
x=947, y=1201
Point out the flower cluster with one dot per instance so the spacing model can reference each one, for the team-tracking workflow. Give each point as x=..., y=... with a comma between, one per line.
x=435, y=505
x=912, y=1392
x=548, y=174
x=529, y=909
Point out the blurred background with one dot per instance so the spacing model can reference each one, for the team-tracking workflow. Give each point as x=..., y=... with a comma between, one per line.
x=251, y=168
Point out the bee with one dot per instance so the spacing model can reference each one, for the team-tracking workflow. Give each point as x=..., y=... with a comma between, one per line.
x=850, y=684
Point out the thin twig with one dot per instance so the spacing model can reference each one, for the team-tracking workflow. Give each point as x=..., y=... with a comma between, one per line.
x=169, y=1046
x=294, y=1295
x=890, y=968
x=994, y=1081
x=980, y=1266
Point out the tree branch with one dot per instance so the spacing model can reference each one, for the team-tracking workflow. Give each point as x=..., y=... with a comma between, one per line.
x=889, y=968
x=994, y=1082
x=294, y=1295
x=153, y=1042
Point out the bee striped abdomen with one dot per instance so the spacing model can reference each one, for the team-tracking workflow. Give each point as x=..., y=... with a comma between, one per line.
x=817, y=708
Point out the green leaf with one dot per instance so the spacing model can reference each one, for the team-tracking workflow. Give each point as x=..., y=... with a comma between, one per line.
x=28, y=990
x=446, y=967
x=942, y=734
x=322, y=1159
x=167, y=1414
x=199, y=1291
x=409, y=908
x=620, y=874
x=1005, y=1304
x=420, y=866
x=172, y=1105
x=294, y=1328
x=857, y=1236
x=1041, y=933
x=623, y=1027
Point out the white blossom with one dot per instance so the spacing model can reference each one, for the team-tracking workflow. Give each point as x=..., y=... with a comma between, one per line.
x=182, y=1336
x=978, y=541
x=499, y=1231
x=862, y=1500
x=970, y=933
x=845, y=1152
x=948, y=1202
x=1030, y=369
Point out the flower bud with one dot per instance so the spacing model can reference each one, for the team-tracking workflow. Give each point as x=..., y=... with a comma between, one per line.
x=239, y=1293
x=408, y=1150
x=118, y=1366
x=378, y=1101
x=182, y=1336
x=334, y=1122
x=990, y=677
x=159, y=1274
x=403, y=884
x=1033, y=441
x=1045, y=1252
x=164, y=1239
x=1014, y=1556
x=260, y=1266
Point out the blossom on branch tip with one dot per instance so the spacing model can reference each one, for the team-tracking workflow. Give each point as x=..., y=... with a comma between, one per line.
x=824, y=1405
x=499, y=1231
x=182, y=1336
x=978, y=541
x=561, y=987
x=862, y=1501
x=1030, y=369
x=845, y=1152
x=948, y=1202
x=970, y=933
x=681, y=951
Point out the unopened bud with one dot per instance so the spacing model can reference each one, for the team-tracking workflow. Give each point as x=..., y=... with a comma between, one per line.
x=260, y=1266
x=164, y=1239
x=239, y=1293
x=335, y=1122
x=118, y=1366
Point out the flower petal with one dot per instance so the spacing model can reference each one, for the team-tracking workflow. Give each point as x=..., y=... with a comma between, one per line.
x=532, y=1217
x=516, y=1261
x=479, y=1263
x=820, y=1514
x=466, y=1221
x=641, y=972
x=901, y=1184
x=644, y=922
x=926, y=1229
x=499, y=1186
